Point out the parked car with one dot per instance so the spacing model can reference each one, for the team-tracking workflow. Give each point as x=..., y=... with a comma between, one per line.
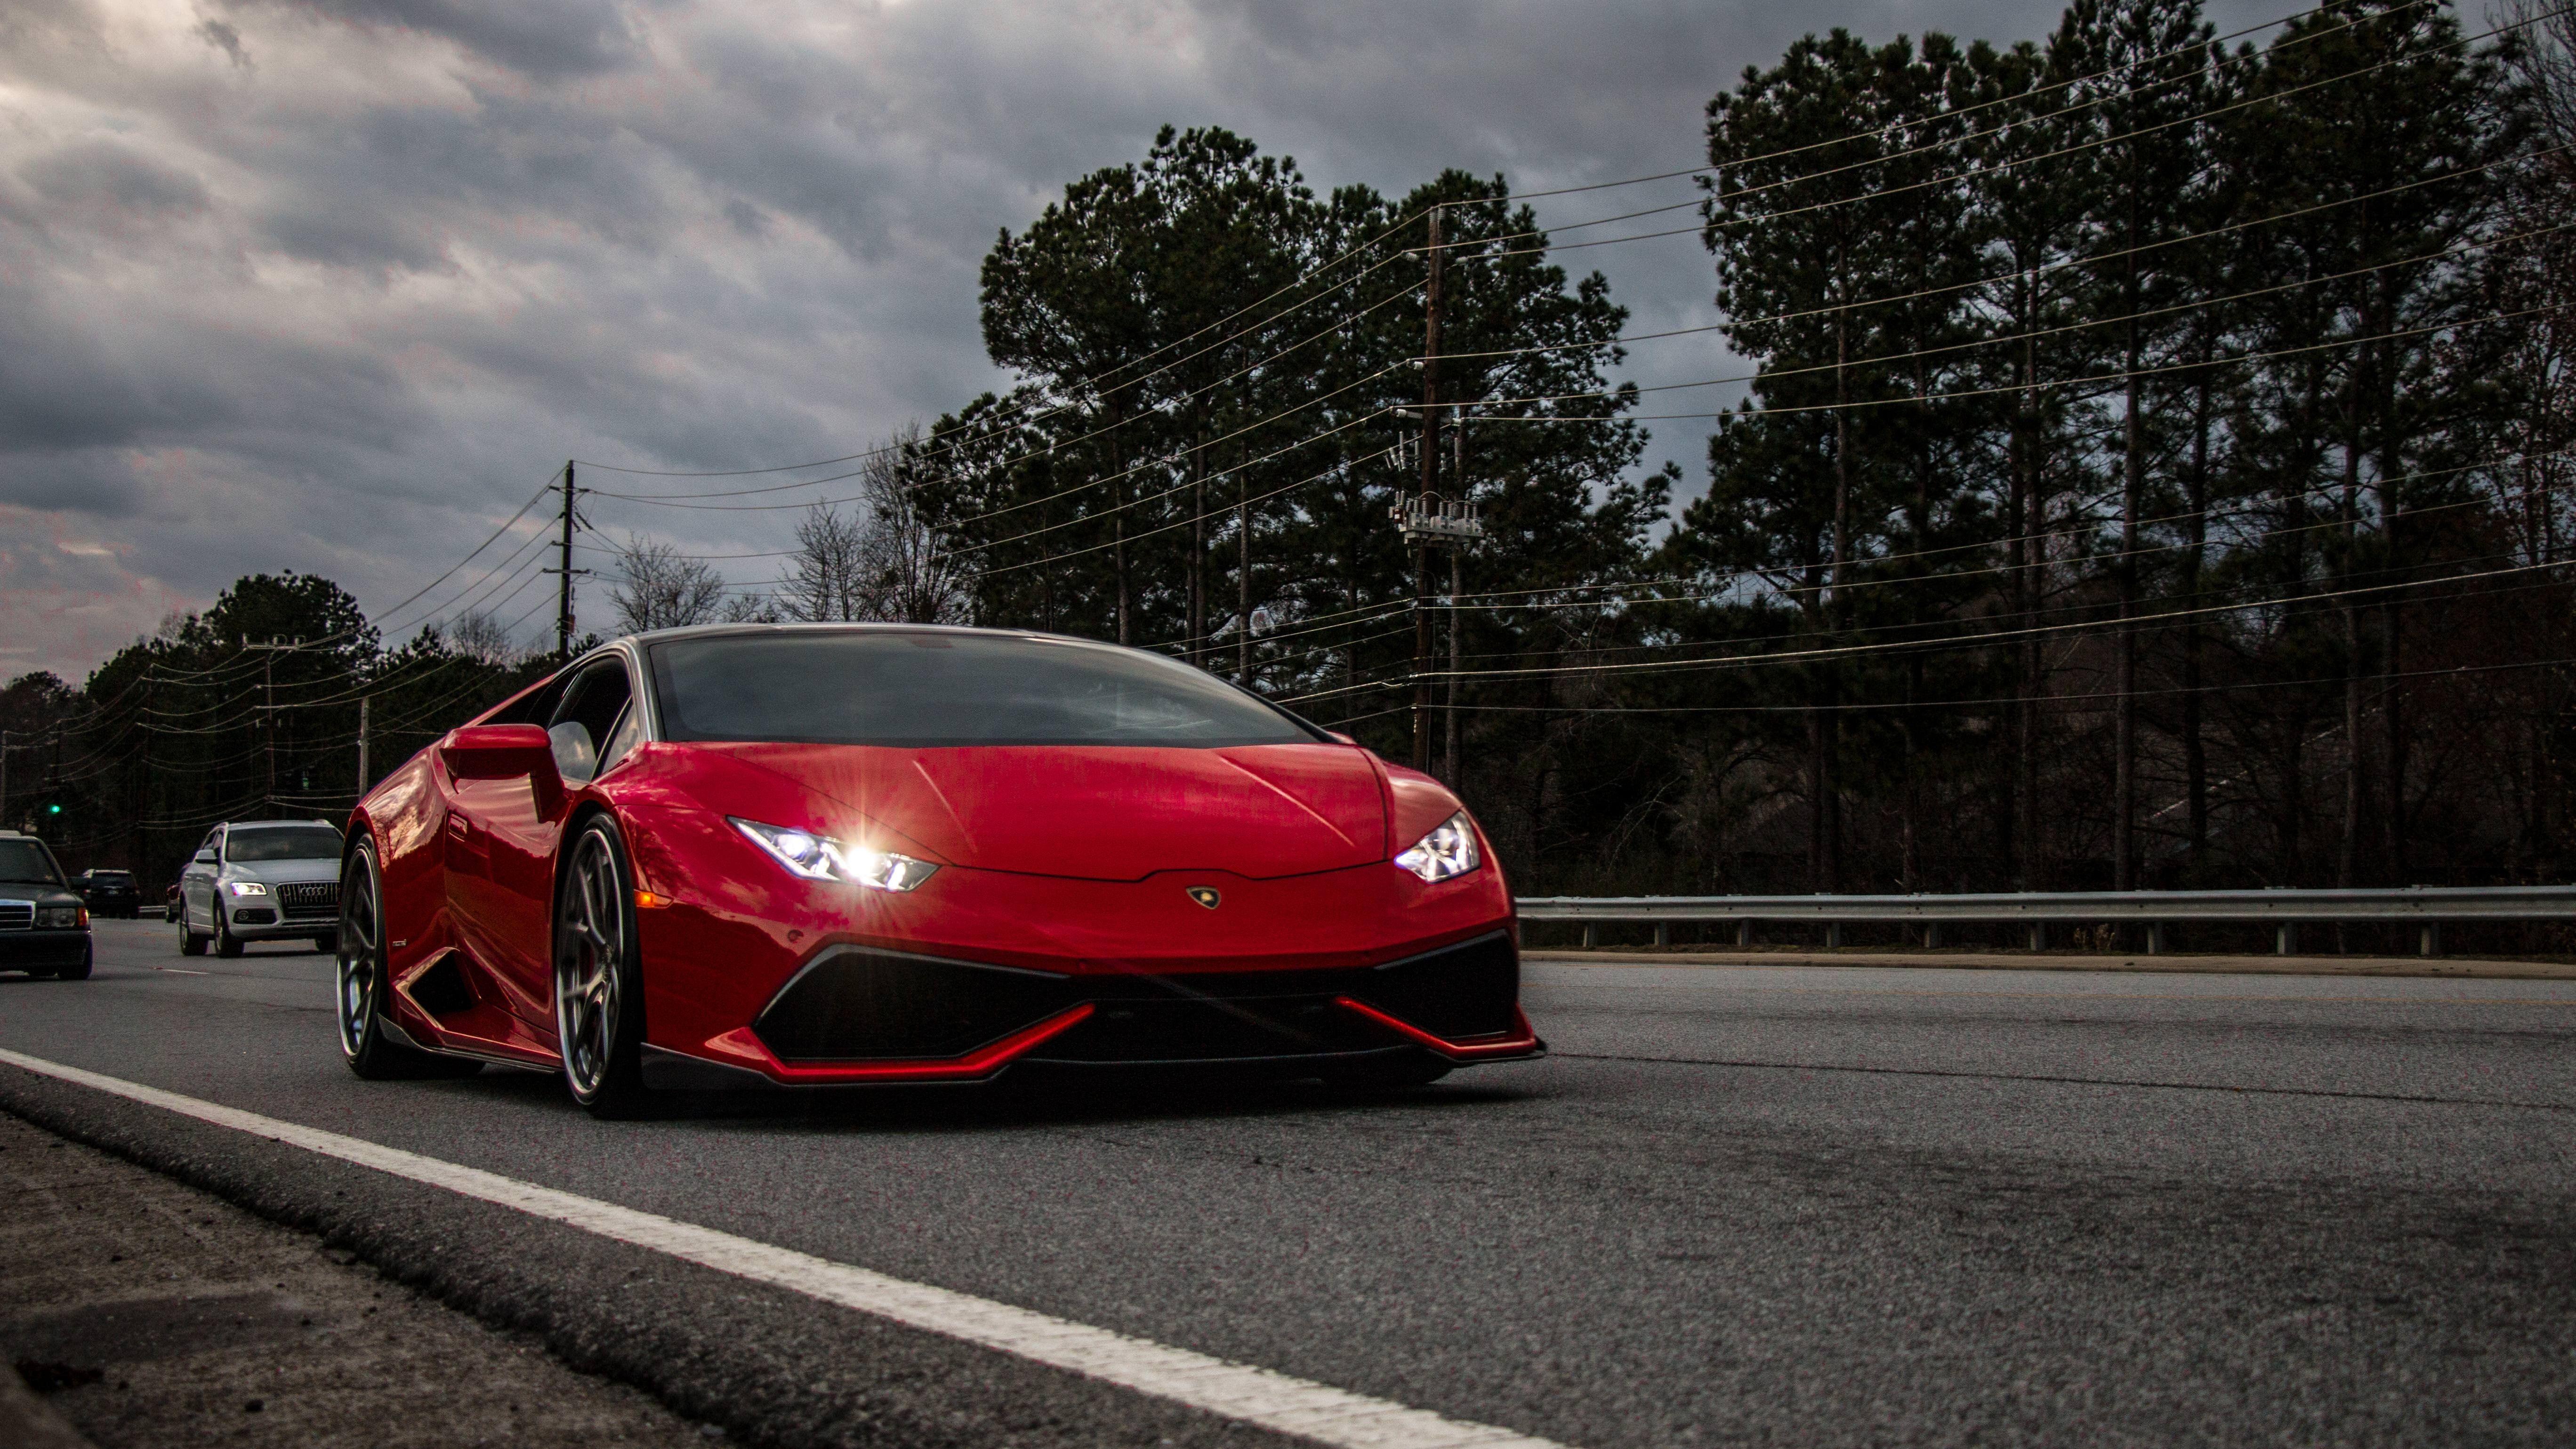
x=110, y=893
x=261, y=880
x=44, y=928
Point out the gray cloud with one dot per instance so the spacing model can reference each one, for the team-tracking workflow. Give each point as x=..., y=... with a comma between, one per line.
x=552, y=39
x=334, y=285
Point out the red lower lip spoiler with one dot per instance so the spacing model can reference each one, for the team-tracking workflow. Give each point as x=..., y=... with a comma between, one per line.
x=748, y=1050
x=1522, y=1042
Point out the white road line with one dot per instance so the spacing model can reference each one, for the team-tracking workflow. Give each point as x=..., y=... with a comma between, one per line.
x=1251, y=1395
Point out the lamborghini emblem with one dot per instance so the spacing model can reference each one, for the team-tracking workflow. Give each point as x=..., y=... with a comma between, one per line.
x=1205, y=895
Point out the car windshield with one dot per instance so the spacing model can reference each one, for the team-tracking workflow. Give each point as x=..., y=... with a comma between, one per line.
x=925, y=690
x=296, y=842
x=28, y=860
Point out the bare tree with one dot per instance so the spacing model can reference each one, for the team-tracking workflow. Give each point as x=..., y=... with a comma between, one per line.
x=909, y=577
x=880, y=560
x=2545, y=57
x=482, y=638
x=659, y=589
x=824, y=584
x=750, y=609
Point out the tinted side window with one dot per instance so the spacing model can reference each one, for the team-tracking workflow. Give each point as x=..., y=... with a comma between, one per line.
x=536, y=707
x=597, y=696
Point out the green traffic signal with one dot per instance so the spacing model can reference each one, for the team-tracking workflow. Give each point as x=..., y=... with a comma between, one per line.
x=53, y=810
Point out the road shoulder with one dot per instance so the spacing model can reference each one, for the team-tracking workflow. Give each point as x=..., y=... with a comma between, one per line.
x=155, y=1314
x=2460, y=968
x=762, y=1363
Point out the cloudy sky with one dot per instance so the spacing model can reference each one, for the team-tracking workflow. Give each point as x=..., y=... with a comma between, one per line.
x=334, y=285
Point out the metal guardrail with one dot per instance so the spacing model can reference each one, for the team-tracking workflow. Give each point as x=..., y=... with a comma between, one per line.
x=2427, y=906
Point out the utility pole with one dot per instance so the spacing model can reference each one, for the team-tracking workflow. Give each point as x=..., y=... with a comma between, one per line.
x=1242, y=568
x=268, y=691
x=1430, y=501
x=142, y=784
x=1457, y=583
x=564, y=570
x=363, y=701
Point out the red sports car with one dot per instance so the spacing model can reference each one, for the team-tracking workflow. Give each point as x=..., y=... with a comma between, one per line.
x=833, y=854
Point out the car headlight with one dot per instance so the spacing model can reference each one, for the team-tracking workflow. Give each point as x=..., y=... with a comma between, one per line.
x=57, y=918
x=1448, y=852
x=247, y=888
x=820, y=857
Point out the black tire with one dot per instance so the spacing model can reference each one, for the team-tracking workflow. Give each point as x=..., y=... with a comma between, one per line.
x=227, y=944
x=362, y=981
x=79, y=972
x=1388, y=1074
x=190, y=943
x=328, y=943
x=599, y=989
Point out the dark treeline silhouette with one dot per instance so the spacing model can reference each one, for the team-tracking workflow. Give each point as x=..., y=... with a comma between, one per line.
x=2148, y=475
x=247, y=711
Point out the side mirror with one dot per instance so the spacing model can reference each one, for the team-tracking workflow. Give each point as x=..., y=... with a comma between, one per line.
x=505, y=752
x=203, y=857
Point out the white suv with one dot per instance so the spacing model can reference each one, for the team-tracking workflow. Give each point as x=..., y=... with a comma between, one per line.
x=262, y=880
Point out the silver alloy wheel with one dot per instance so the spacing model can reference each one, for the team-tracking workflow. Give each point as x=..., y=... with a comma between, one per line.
x=361, y=934
x=590, y=949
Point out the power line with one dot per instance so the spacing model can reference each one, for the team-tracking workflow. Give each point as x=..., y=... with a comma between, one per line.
x=1890, y=129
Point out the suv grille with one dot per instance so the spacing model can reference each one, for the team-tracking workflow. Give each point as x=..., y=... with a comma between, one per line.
x=311, y=900
x=17, y=915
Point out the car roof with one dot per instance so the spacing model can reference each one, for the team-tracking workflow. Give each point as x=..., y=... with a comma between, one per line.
x=275, y=824
x=717, y=631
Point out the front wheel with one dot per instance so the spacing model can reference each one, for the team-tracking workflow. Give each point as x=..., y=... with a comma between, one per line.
x=78, y=971
x=190, y=943
x=227, y=944
x=599, y=997
x=362, y=976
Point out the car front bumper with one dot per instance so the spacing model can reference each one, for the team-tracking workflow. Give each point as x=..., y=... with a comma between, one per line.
x=256, y=919
x=40, y=950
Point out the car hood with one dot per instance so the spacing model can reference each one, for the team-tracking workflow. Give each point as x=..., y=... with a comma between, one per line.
x=1104, y=813
x=283, y=872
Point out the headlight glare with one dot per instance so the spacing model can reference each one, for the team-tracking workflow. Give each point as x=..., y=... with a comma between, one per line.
x=247, y=888
x=820, y=857
x=1448, y=852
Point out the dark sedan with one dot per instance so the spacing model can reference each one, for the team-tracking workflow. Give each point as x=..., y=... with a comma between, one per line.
x=44, y=928
x=109, y=893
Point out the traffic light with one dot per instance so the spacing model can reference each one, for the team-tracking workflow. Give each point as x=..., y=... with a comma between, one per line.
x=53, y=809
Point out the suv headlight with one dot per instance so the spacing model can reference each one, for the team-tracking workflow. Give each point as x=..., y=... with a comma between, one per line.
x=820, y=857
x=1448, y=852
x=247, y=888
x=58, y=918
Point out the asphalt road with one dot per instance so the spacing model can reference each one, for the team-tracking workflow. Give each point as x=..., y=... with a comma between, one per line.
x=1792, y=1205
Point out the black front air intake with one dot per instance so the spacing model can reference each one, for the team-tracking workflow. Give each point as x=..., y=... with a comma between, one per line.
x=1458, y=993
x=1214, y=1029
x=856, y=1004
